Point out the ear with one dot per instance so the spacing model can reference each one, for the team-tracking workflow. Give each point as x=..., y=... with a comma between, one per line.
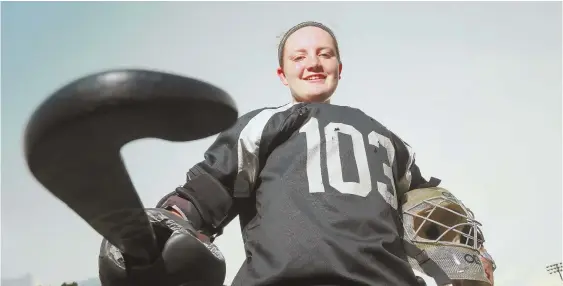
x=281, y=75
x=340, y=71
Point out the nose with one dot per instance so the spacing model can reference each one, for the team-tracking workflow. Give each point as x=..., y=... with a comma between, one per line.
x=313, y=62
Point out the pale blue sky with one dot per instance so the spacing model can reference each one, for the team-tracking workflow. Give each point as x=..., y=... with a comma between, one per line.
x=475, y=88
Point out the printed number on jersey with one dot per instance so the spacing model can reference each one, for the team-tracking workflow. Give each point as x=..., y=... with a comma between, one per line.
x=334, y=166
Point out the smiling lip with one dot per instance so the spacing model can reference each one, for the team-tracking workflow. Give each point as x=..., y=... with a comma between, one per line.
x=320, y=78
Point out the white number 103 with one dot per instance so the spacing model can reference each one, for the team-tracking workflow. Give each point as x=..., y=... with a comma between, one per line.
x=334, y=166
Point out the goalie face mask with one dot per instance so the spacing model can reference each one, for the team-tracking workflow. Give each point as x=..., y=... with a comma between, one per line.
x=446, y=232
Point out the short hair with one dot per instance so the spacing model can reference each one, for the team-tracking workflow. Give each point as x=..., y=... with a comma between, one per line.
x=302, y=25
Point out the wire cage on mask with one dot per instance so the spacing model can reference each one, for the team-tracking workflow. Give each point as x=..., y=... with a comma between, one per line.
x=438, y=223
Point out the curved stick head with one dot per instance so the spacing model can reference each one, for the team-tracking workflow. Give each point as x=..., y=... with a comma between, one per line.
x=73, y=141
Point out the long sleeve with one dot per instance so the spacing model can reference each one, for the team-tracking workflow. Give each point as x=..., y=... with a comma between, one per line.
x=208, y=197
x=216, y=186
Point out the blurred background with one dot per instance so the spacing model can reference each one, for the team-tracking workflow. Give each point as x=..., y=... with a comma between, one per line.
x=474, y=87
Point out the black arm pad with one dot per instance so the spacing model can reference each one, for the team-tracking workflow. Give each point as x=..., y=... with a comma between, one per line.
x=209, y=197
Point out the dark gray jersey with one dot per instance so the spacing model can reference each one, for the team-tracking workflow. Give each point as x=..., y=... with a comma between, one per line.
x=317, y=187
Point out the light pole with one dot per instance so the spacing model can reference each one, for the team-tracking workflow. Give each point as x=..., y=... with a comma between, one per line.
x=555, y=268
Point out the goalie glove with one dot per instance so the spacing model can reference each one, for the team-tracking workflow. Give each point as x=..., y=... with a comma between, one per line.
x=189, y=258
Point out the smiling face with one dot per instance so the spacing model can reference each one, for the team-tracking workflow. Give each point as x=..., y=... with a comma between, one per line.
x=310, y=65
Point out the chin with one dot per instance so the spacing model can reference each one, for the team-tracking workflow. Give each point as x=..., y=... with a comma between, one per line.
x=313, y=98
x=320, y=95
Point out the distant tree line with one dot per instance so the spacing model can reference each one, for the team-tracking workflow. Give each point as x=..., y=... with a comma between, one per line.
x=69, y=284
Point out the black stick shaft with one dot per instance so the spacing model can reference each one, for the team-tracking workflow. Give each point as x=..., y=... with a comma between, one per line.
x=91, y=179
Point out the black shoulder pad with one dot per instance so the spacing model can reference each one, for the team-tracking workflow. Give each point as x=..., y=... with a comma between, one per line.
x=432, y=183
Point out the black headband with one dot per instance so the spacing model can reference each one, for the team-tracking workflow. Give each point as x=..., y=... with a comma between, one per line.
x=299, y=26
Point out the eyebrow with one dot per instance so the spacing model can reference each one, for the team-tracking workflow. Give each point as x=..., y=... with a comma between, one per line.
x=318, y=49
